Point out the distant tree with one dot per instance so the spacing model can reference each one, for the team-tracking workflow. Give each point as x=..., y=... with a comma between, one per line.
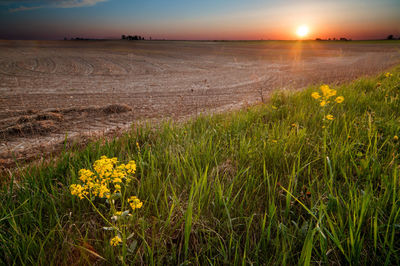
x=390, y=37
x=318, y=39
x=132, y=38
x=65, y=38
x=343, y=39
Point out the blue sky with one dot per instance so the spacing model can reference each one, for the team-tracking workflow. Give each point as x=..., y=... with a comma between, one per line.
x=207, y=19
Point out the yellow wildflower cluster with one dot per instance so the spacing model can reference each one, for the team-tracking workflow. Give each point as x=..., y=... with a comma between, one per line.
x=327, y=93
x=329, y=117
x=115, y=241
x=388, y=74
x=135, y=203
x=326, y=98
x=106, y=180
x=78, y=190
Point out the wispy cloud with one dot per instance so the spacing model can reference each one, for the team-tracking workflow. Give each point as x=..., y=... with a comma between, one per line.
x=25, y=8
x=37, y=4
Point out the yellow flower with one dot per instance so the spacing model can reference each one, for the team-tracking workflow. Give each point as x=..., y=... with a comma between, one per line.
x=117, y=188
x=339, y=99
x=118, y=174
x=108, y=178
x=117, y=180
x=130, y=167
x=388, y=74
x=327, y=92
x=322, y=103
x=115, y=241
x=118, y=213
x=135, y=203
x=325, y=89
x=78, y=190
x=104, y=166
x=274, y=107
x=103, y=191
x=85, y=175
x=315, y=95
x=330, y=117
x=91, y=185
x=395, y=138
x=331, y=93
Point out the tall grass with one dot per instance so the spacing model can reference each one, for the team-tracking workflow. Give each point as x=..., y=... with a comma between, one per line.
x=263, y=185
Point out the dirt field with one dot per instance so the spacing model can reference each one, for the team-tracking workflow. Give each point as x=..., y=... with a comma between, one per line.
x=83, y=88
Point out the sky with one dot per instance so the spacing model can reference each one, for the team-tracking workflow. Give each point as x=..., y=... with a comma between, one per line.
x=199, y=20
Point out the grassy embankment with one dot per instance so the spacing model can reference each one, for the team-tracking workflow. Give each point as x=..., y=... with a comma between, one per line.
x=274, y=184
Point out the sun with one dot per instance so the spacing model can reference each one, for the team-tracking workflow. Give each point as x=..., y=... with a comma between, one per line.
x=302, y=31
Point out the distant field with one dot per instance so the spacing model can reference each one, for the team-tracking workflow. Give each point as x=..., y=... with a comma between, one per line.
x=50, y=88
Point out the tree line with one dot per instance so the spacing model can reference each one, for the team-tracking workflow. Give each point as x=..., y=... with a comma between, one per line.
x=132, y=38
x=389, y=37
x=333, y=39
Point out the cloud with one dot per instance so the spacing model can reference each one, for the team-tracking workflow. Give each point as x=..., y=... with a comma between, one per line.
x=38, y=4
x=25, y=8
x=78, y=3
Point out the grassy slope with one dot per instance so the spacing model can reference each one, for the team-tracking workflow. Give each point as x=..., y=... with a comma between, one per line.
x=214, y=189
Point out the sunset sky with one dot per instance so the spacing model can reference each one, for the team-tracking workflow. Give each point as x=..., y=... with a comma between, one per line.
x=201, y=20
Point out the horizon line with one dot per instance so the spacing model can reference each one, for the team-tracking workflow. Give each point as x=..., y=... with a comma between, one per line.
x=196, y=40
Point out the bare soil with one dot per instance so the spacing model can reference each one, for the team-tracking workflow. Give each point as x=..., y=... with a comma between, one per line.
x=53, y=89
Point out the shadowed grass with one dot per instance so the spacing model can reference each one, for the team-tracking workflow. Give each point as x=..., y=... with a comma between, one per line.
x=253, y=186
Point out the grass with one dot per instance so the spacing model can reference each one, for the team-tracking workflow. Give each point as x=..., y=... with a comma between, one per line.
x=266, y=185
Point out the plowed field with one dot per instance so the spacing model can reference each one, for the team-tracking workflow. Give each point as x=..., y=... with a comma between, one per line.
x=53, y=89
